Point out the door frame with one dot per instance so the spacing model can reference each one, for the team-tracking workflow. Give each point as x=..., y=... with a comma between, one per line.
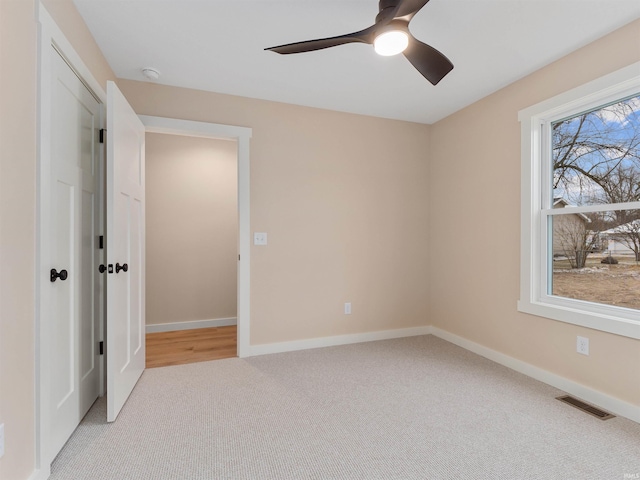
x=50, y=37
x=242, y=136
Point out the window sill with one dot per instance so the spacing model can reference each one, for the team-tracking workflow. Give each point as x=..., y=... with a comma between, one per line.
x=575, y=316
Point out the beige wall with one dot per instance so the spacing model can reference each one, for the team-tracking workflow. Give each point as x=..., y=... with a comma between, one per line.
x=18, y=130
x=192, y=228
x=475, y=165
x=17, y=234
x=342, y=198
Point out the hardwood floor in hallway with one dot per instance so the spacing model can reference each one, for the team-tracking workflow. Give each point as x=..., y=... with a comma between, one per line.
x=190, y=346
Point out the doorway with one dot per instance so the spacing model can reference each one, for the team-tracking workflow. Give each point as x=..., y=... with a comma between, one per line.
x=239, y=137
x=192, y=248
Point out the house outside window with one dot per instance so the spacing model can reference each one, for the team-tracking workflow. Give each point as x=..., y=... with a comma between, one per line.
x=580, y=255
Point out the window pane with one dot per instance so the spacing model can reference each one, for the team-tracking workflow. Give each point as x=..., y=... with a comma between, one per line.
x=596, y=155
x=596, y=257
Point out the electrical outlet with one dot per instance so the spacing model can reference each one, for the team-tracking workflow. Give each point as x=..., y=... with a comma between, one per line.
x=582, y=345
x=1, y=440
x=347, y=308
x=259, y=238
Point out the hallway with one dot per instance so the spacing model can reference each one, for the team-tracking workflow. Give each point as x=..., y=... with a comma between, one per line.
x=190, y=346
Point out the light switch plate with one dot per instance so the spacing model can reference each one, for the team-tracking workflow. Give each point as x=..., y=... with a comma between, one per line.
x=259, y=238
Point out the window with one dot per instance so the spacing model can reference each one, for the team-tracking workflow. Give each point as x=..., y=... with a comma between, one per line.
x=581, y=205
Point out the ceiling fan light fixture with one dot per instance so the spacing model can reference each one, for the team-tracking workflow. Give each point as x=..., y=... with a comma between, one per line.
x=391, y=42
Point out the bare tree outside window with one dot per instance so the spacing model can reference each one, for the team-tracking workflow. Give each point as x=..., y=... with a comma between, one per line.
x=596, y=155
x=628, y=234
x=596, y=161
x=574, y=239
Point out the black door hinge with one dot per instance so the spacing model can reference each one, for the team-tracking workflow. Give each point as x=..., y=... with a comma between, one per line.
x=103, y=135
x=101, y=242
x=101, y=348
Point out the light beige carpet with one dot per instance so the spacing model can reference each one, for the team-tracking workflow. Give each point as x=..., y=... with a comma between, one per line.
x=413, y=408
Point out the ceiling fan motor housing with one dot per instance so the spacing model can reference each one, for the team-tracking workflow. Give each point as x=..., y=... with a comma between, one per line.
x=385, y=5
x=397, y=24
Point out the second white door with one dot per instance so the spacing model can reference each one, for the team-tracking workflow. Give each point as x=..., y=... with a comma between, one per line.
x=125, y=250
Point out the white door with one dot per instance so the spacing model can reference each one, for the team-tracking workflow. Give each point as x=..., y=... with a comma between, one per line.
x=73, y=212
x=125, y=250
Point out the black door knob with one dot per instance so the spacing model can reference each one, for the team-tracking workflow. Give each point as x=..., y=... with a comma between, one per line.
x=102, y=269
x=123, y=267
x=62, y=275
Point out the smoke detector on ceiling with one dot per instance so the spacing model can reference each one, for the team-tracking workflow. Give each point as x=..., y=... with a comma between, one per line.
x=151, y=73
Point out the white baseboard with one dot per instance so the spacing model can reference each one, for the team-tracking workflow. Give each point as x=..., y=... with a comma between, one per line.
x=597, y=398
x=170, y=327
x=40, y=474
x=333, y=341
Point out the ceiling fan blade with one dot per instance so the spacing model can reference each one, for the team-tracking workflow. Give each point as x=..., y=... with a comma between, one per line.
x=432, y=64
x=363, y=36
x=409, y=8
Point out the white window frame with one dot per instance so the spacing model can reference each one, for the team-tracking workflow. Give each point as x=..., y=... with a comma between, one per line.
x=534, y=265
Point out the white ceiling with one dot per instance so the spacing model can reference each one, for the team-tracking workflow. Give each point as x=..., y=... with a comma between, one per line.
x=218, y=45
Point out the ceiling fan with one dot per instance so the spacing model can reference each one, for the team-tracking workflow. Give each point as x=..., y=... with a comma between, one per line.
x=389, y=35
